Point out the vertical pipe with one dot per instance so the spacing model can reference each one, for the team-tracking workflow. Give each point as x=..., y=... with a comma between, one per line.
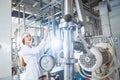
x=81, y=17
x=24, y=28
x=41, y=31
x=71, y=53
x=68, y=53
x=53, y=21
x=18, y=21
x=81, y=12
x=19, y=14
x=68, y=44
x=62, y=7
x=68, y=10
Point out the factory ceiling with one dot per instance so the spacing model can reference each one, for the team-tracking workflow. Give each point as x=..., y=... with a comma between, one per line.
x=36, y=7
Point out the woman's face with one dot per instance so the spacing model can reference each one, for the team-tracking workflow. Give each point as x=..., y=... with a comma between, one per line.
x=27, y=39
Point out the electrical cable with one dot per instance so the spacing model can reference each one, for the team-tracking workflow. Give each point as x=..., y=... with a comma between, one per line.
x=83, y=71
x=79, y=71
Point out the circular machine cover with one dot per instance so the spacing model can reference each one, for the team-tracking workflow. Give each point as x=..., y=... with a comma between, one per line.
x=91, y=61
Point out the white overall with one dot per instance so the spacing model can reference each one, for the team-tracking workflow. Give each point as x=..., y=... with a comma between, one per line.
x=31, y=57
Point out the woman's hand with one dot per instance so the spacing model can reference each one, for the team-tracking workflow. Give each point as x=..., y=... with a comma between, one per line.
x=46, y=33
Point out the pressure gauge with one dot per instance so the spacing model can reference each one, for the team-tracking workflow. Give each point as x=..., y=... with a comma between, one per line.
x=47, y=62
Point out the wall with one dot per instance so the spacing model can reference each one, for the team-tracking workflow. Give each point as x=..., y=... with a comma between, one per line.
x=5, y=39
x=115, y=16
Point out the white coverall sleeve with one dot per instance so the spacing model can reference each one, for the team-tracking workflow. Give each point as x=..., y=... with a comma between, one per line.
x=41, y=46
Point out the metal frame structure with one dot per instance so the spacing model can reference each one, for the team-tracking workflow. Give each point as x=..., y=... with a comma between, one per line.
x=54, y=11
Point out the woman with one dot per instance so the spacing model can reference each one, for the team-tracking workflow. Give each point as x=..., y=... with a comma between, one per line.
x=31, y=56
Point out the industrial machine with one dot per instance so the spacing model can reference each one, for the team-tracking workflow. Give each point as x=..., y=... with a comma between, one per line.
x=80, y=45
x=101, y=62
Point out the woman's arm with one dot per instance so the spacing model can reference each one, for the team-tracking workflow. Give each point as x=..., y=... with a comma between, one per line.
x=45, y=34
x=43, y=42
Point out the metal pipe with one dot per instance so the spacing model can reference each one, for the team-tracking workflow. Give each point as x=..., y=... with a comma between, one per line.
x=81, y=17
x=62, y=8
x=32, y=22
x=53, y=21
x=19, y=3
x=24, y=18
x=53, y=3
x=19, y=15
x=80, y=11
x=54, y=14
x=68, y=10
x=34, y=27
x=91, y=15
x=68, y=54
x=68, y=43
x=91, y=2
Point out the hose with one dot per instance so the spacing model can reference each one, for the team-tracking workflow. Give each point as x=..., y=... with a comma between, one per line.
x=83, y=75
